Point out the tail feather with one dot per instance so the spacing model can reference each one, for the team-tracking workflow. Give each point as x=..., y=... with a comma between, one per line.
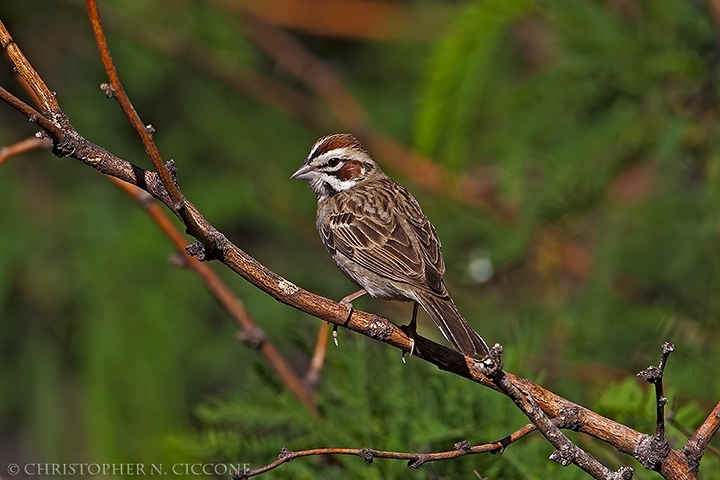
x=453, y=326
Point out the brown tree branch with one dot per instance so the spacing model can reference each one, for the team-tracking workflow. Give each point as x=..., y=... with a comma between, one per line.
x=117, y=91
x=415, y=459
x=196, y=224
x=696, y=445
x=566, y=451
x=232, y=305
x=224, y=296
x=317, y=362
x=671, y=464
x=23, y=146
x=33, y=115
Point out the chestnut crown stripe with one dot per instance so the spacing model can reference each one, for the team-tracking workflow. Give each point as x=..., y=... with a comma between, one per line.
x=335, y=142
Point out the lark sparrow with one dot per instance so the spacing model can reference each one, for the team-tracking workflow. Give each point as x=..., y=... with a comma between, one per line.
x=379, y=237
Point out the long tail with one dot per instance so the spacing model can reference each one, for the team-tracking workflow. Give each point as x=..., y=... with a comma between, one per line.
x=453, y=326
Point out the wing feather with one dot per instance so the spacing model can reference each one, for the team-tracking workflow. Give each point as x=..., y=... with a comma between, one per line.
x=384, y=230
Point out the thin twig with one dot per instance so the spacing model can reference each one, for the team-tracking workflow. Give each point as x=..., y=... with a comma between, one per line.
x=33, y=115
x=27, y=72
x=415, y=459
x=117, y=91
x=654, y=375
x=24, y=146
x=312, y=376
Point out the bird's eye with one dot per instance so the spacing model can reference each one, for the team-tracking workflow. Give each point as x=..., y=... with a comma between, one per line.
x=333, y=162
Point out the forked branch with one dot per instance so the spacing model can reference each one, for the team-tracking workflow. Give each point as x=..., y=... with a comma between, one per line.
x=224, y=296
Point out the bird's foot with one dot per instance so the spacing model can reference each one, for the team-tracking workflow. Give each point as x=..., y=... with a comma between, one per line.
x=347, y=301
x=412, y=350
x=411, y=330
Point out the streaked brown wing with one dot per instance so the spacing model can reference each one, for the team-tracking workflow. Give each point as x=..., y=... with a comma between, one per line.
x=428, y=241
x=383, y=229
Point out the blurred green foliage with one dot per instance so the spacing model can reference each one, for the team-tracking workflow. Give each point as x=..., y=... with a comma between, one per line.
x=596, y=121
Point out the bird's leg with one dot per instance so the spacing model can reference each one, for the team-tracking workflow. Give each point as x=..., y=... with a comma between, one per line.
x=347, y=301
x=411, y=330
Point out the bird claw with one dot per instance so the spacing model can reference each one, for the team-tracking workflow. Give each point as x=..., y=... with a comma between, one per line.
x=347, y=301
x=335, y=335
x=412, y=350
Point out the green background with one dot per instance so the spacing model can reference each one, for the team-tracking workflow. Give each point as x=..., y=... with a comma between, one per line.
x=595, y=122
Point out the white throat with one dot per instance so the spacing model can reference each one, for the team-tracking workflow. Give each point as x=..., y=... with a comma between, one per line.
x=325, y=185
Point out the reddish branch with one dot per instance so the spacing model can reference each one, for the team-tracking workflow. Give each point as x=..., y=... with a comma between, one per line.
x=224, y=296
x=23, y=146
x=312, y=376
x=415, y=459
x=698, y=442
x=213, y=245
x=232, y=305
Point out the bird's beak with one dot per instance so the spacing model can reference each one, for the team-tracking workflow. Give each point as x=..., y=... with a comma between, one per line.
x=303, y=173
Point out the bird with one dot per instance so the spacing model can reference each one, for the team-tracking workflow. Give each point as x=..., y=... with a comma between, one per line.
x=379, y=237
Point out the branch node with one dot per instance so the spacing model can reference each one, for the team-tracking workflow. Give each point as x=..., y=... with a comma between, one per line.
x=693, y=454
x=491, y=366
x=379, y=329
x=108, y=90
x=240, y=475
x=284, y=453
x=564, y=456
x=463, y=446
x=170, y=164
x=42, y=134
x=67, y=147
x=623, y=473
x=418, y=461
x=252, y=337
x=367, y=454
x=651, y=374
x=651, y=452
x=151, y=131
x=569, y=418
x=198, y=250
